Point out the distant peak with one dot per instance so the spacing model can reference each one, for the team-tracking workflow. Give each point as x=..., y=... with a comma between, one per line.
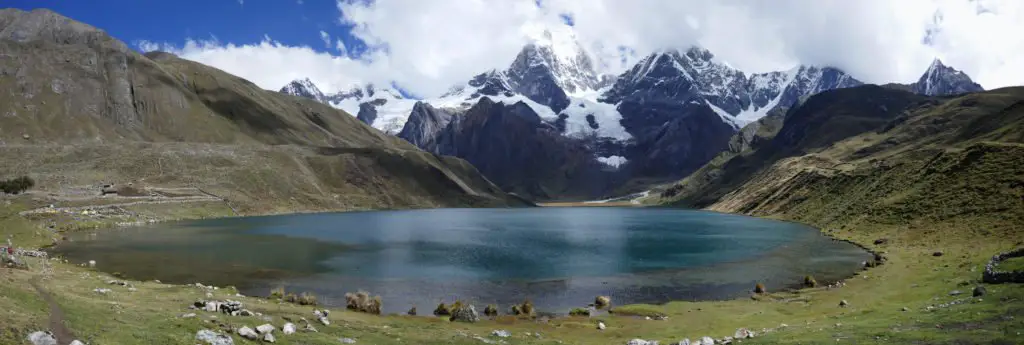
x=936, y=64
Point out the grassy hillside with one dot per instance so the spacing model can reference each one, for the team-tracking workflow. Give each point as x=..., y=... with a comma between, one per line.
x=909, y=177
x=80, y=110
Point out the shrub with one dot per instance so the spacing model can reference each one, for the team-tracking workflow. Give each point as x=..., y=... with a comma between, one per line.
x=525, y=309
x=579, y=312
x=411, y=312
x=759, y=288
x=361, y=302
x=442, y=310
x=277, y=293
x=307, y=299
x=810, y=282
x=491, y=310
x=602, y=301
x=291, y=298
x=17, y=185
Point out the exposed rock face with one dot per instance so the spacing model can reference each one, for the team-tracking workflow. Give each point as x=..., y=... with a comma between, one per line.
x=515, y=149
x=465, y=314
x=942, y=80
x=424, y=124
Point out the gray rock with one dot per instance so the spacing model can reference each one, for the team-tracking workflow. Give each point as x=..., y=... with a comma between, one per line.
x=906, y=309
x=844, y=303
x=743, y=333
x=78, y=342
x=42, y=338
x=248, y=333
x=685, y=341
x=206, y=336
x=465, y=314
x=188, y=315
x=102, y=291
x=288, y=328
x=268, y=338
x=706, y=341
x=955, y=293
x=500, y=333
x=642, y=342
x=265, y=328
x=979, y=291
x=347, y=341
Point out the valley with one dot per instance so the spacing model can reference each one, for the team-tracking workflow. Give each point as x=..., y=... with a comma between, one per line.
x=925, y=180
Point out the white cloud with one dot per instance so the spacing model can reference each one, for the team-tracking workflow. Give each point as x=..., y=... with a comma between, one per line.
x=340, y=46
x=427, y=46
x=326, y=38
x=271, y=64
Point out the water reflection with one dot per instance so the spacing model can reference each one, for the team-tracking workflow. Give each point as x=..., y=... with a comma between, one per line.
x=558, y=257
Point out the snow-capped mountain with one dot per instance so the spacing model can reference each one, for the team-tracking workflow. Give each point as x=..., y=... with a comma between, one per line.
x=696, y=76
x=941, y=80
x=304, y=88
x=665, y=117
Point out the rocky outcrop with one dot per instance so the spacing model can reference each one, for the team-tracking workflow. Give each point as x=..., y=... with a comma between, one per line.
x=424, y=124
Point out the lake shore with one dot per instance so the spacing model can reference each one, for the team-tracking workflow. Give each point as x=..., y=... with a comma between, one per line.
x=912, y=279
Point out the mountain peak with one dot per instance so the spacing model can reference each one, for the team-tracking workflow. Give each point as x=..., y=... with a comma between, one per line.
x=303, y=88
x=940, y=79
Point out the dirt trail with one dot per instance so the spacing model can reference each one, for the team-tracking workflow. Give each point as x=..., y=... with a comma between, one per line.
x=57, y=321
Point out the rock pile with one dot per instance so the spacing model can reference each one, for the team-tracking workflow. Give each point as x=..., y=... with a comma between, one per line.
x=230, y=307
x=992, y=275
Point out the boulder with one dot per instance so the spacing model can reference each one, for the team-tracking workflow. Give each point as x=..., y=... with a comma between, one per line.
x=685, y=341
x=602, y=301
x=844, y=303
x=500, y=333
x=288, y=328
x=743, y=333
x=206, y=336
x=268, y=338
x=601, y=326
x=212, y=306
x=42, y=338
x=265, y=328
x=79, y=342
x=465, y=314
x=641, y=342
x=248, y=333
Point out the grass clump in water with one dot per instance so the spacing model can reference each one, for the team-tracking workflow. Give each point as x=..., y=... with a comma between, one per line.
x=277, y=293
x=361, y=302
x=411, y=312
x=442, y=310
x=579, y=312
x=810, y=282
x=602, y=302
x=491, y=310
x=759, y=288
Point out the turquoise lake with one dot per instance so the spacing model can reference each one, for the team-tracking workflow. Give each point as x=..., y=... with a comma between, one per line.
x=559, y=257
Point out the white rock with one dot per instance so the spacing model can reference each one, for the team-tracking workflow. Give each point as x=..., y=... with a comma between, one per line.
x=500, y=333
x=268, y=338
x=248, y=333
x=188, y=315
x=42, y=338
x=288, y=328
x=325, y=321
x=706, y=341
x=743, y=333
x=347, y=341
x=600, y=325
x=209, y=295
x=213, y=338
x=92, y=263
x=642, y=342
x=76, y=342
x=685, y=341
x=212, y=306
x=265, y=328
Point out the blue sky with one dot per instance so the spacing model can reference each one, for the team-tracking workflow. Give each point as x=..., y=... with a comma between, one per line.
x=287, y=21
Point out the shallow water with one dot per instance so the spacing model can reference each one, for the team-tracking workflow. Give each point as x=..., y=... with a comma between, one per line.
x=557, y=257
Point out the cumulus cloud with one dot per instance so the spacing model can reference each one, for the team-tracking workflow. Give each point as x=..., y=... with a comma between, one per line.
x=428, y=46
